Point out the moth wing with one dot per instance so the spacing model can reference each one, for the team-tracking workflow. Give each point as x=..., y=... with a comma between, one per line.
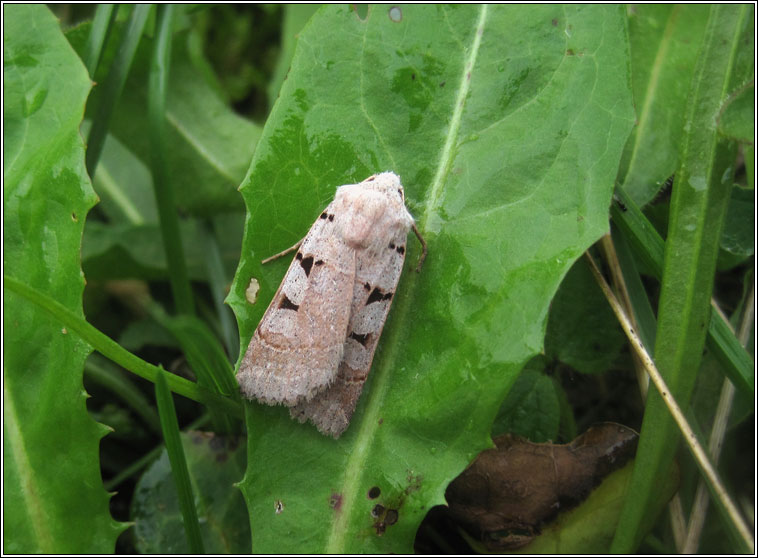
x=374, y=287
x=296, y=350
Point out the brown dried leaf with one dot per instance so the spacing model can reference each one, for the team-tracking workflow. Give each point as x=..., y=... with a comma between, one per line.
x=506, y=496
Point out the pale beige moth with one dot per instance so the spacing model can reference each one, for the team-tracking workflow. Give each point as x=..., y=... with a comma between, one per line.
x=313, y=348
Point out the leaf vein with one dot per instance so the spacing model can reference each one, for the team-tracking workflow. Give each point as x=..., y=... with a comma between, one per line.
x=448, y=150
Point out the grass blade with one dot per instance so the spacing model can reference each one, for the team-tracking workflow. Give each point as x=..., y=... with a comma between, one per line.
x=113, y=86
x=162, y=185
x=647, y=244
x=699, y=201
x=692, y=434
x=170, y=427
x=105, y=15
x=206, y=358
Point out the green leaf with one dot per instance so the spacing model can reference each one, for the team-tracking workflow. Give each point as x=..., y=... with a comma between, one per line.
x=737, y=120
x=738, y=238
x=665, y=40
x=582, y=330
x=147, y=459
x=749, y=151
x=54, y=498
x=102, y=24
x=210, y=144
x=506, y=124
x=532, y=408
x=106, y=374
x=218, y=282
x=640, y=303
x=207, y=359
x=121, y=251
x=214, y=464
x=124, y=186
x=146, y=332
x=203, y=351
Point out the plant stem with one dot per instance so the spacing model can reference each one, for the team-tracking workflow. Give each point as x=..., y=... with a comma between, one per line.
x=115, y=352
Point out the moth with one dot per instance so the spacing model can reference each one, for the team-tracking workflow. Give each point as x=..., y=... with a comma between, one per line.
x=313, y=348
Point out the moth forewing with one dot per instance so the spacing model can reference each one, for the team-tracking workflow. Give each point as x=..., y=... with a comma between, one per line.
x=297, y=347
x=315, y=344
x=332, y=409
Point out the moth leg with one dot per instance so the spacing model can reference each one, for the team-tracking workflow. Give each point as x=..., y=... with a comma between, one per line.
x=423, y=248
x=284, y=253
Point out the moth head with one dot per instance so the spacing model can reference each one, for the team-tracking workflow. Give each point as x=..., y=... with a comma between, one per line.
x=371, y=210
x=387, y=183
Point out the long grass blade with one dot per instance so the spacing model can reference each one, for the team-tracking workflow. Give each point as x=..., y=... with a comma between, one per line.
x=170, y=427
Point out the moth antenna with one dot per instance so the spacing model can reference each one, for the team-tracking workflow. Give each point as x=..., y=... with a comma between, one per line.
x=284, y=253
x=423, y=248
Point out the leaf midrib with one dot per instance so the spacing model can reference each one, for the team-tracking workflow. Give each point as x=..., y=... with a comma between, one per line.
x=447, y=153
x=653, y=86
x=32, y=504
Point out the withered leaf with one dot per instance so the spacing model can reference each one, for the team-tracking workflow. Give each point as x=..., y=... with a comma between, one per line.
x=508, y=494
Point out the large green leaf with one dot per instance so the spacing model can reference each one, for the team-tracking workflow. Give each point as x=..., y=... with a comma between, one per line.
x=506, y=124
x=54, y=498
